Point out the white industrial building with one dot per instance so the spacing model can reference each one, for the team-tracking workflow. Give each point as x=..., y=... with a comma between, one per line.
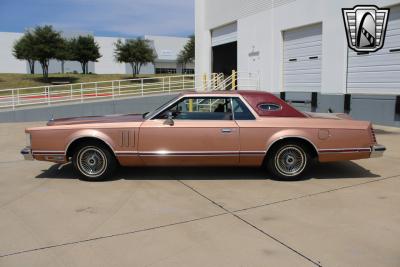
x=166, y=48
x=298, y=48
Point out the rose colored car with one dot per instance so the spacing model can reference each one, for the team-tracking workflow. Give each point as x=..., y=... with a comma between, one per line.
x=232, y=128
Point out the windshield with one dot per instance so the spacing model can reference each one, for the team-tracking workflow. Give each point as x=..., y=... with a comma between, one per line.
x=151, y=114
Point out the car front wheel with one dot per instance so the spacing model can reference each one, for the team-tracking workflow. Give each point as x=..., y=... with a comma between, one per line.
x=94, y=162
x=288, y=161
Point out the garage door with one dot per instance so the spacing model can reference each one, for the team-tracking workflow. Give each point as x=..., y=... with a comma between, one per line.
x=378, y=72
x=225, y=34
x=302, y=59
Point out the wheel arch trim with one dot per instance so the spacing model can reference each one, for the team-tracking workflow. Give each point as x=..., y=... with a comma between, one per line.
x=97, y=136
x=289, y=137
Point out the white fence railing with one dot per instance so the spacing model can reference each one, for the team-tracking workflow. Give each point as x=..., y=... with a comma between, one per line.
x=83, y=92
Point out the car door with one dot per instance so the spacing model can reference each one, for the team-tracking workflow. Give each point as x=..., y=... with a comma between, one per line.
x=203, y=134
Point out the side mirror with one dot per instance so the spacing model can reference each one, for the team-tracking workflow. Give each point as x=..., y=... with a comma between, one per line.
x=170, y=119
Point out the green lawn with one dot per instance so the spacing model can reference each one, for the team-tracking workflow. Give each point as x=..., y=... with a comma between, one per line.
x=10, y=81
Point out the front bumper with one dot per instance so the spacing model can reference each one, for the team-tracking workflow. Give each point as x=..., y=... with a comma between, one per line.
x=27, y=153
x=377, y=151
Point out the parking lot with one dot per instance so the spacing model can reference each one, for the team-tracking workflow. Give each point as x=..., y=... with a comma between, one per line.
x=343, y=214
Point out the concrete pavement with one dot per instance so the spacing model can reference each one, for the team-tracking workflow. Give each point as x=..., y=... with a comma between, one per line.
x=344, y=214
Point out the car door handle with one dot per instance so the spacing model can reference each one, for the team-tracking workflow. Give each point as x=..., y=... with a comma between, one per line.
x=226, y=130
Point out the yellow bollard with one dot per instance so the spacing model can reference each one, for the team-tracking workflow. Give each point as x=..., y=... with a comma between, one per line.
x=213, y=81
x=234, y=87
x=190, y=105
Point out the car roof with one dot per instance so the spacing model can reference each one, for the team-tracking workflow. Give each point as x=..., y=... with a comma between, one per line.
x=228, y=92
x=254, y=99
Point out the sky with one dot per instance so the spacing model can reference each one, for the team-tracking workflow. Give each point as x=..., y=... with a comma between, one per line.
x=114, y=18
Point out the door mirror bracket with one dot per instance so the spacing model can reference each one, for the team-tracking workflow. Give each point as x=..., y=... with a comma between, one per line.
x=170, y=119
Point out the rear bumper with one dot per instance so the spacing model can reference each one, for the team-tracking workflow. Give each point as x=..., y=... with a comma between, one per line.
x=27, y=153
x=377, y=151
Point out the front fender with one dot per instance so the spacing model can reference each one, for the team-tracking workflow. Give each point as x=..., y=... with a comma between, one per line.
x=90, y=133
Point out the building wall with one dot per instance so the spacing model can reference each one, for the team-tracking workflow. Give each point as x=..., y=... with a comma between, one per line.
x=145, y=69
x=167, y=47
x=107, y=64
x=8, y=63
x=260, y=27
x=69, y=67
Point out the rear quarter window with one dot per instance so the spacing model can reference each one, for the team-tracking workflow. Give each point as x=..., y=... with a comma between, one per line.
x=269, y=107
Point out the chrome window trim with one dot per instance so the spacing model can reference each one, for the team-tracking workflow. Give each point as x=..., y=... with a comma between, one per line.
x=196, y=96
x=173, y=103
x=233, y=113
x=246, y=104
x=255, y=114
x=271, y=104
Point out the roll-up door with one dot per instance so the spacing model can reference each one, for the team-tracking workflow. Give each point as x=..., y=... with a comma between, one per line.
x=302, y=59
x=225, y=34
x=377, y=72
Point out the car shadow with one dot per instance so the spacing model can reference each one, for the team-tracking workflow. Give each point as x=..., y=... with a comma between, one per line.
x=334, y=170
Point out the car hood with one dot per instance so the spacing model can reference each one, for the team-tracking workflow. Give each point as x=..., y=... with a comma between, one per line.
x=97, y=119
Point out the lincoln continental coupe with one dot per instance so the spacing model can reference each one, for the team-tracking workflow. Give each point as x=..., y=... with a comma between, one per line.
x=221, y=128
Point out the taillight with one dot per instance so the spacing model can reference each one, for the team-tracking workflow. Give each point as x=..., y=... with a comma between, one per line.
x=373, y=135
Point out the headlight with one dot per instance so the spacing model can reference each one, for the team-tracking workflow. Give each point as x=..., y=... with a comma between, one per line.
x=28, y=139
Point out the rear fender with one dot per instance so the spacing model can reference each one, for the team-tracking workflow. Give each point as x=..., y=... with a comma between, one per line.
x=308, y=135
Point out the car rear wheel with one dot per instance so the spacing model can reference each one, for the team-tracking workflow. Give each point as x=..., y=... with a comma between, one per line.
x=288, y=161
x=94, y=162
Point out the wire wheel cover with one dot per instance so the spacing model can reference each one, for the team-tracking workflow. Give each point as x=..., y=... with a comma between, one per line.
x=290, y=160
x=92, y=161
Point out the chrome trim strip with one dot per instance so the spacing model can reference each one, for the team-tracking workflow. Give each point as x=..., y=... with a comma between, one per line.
x=344, y=150
x=50, y=155
x=189, y=153
x=184, y=153
x=127, y=152
x=48, y=152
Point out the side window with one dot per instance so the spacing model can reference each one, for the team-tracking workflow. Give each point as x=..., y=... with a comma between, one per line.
x=200, y=108
x=241, y=111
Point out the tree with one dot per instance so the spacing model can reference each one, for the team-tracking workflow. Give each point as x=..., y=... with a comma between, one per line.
x=46, y=43
x=187, y=54
x=64, y=53
x=136, y=52
x=23, y=50
x=84, y=49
